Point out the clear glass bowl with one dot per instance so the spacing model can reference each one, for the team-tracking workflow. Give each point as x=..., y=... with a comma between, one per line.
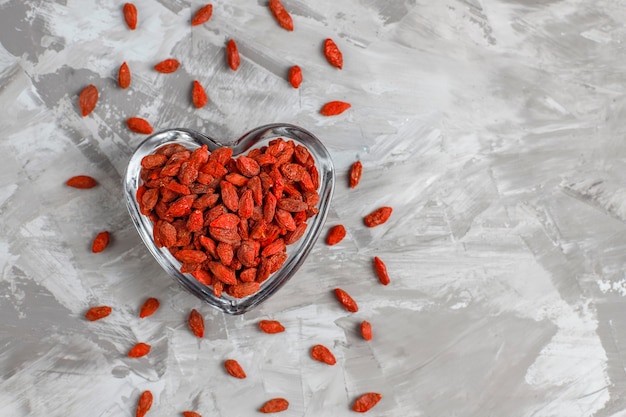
x=258, y=137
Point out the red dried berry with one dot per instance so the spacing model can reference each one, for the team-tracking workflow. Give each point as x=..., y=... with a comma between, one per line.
x=322, y=354
x=377, y=217
x=198, y=95
x=149, y=307
x=139, y=350
x=139, y=125
x=144, y=404
x=271, y=326
x=81, y=181
x=346, y=301
x=336, y=235
x=202, y=15
x=97, y=313
x=130, y=15
x=100, y=242
x=295, y=76
x=355, y=174
x=232, y=55
x=196, y=323
x=333, y=108
x=333, y=54
x=234, y=369
x=87, y=99
x=123, y=76
x=274, y=405
x=366, y=330
x=167, y=66
x=366, y=401
x=281, y=15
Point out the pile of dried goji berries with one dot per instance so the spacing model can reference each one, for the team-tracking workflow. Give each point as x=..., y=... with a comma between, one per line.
x=240, y=212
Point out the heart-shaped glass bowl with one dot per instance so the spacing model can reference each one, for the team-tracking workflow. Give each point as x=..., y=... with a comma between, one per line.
x=297, y=252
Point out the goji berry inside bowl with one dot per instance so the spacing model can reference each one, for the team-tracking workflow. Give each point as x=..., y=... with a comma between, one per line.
x=232, y=229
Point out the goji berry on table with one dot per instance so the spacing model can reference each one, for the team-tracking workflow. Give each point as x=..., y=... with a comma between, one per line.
x=232, y=55
x=81, y=181
x=149, y=307
x=167, y=66
x=202, y=15
x=130, y=15
x=139, y=350
x=281, y=15
x=334, y=108
x=139, y=125
x=274, y=405
x=196, y=323
x=333, y=54
x=234, y=369
x=198, y=95
x=295, y=76
x=191, y=414
x=87, y=99
x=381, y=271
x=356, y=170
x=366, y=330
x=271, y=326
x=100, y=242
x=144, y=403
x=335, y=234
x=378, y=216
x=123, y=76
x=366, y=402
x=322, y=354
x=346, y=301
x=98, y=312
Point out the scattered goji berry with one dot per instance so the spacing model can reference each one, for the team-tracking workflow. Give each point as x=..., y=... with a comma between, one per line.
x=232, y=55
x=366, y=401
x=144, y=404
x=356, y=170
x=87, y=99
x=198, y=95
x=149, y=307
x=123, y=76
x=130, y=15
x=381, y=271
x=271, y=326
x=167, y=66
x=322, y=354
x=81, y=181
x=274, y=405
x=97, y=313
x=295, y=76
x=139, y=350
x=100, y=242
x=191, y=414
x=346, y=301
x=335, y=235
x=366, y=330
x=377, y=217
x=281, y=15
x=202, y=15
x=139, y=125
x=333, y=108
x=234, y=369
x=196, y=323
x=333, y=54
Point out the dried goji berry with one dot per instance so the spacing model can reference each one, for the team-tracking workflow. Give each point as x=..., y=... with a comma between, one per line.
x=366, y=330
x=226, y=221
x=274, y=405
x=381, y=271
x=346, y=301
x=87, y=99
x=191, y=414
x=100, y=242
x=190, y=256
x=232, y=55
x=333, y=54
x=97, y=313
x=248, y=166
x=355, y=173
x=139, y=125
x=281, y=15
x=377, y=217
x=139, y=350
x=335, y=235
x=144, y=404
x=196, y=323
x=295, y=76
x=271, y=326
x=202, y=15
x=149, y=307
x=366, y=401
x=223, y=273
x=123, y=76
x=322, y=354
x=130, y=15
x=234, y=368
x=333, y=108
x=244, y=289
x=81, y=181
x=198, y=95
x=167, y=66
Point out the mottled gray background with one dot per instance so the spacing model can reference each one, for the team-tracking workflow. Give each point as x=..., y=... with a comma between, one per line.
x=493, y=127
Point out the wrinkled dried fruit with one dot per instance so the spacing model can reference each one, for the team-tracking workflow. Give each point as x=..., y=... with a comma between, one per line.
x=149, y=307
x=130, y=15
x=139, y=350
x=167, y=66
x=336, y=235
x=100, y=242
x=139, y=125
x=196, y=323
x=333, y=54
x=377, y=217
x=81, y=181
x=87, y=99
x=234, y=368
x=346, y=301
x=381, y=271
x=123, y=76
x=232, y=55
x=366, y=330
x=144, y=404
x=322, y=354
x=281, y=15
x=198, y=95
x=97, y=313
x=191, y=414
x=271, y=326
x=295, y=76
x=355, y=174
x=333, y=108
x=202, y=15
x=275, y=405
x=366, y=401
